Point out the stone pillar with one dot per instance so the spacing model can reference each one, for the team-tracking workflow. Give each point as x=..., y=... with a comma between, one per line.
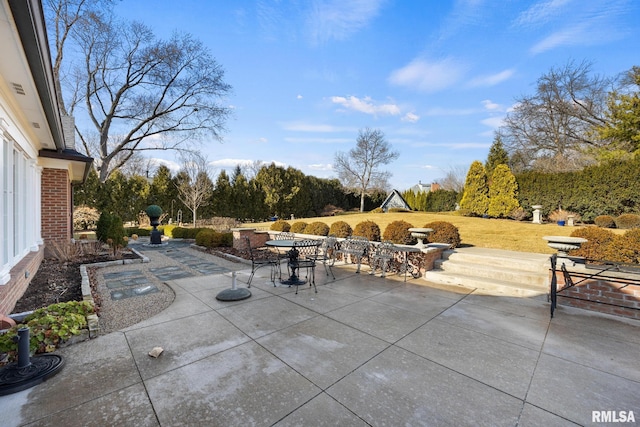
x=537, y=215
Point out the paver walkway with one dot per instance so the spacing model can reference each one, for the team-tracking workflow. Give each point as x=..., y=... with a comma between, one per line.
x=362, y=351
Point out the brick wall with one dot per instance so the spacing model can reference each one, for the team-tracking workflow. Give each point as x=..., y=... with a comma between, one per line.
x=257, y=239
x=56, y=204
x=21, y=275
x=606, y=294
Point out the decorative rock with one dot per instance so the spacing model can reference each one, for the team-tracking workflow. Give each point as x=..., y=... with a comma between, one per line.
x=156, y=351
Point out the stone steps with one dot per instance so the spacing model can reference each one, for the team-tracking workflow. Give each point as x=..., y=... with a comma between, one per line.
x=493, y=271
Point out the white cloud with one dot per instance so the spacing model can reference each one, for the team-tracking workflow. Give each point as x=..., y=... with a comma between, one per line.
x=410, y=117
x=492, y=79
x=232, y=163
x=173, y=166
x=490, y=105
x=321, y=167
x=299, y=97
x=428, y=76
x=541, y=12
x=366, y=105
x=319, y=140
x=338, y=19
x=493, y=122
x=313, y=127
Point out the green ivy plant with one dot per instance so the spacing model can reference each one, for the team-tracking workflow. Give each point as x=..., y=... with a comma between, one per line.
x=48, y=327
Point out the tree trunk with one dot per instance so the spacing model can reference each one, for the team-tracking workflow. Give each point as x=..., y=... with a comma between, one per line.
x=362, y=202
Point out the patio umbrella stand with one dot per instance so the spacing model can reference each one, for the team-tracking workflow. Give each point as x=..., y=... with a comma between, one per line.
x=235, y=293
x=27, y=372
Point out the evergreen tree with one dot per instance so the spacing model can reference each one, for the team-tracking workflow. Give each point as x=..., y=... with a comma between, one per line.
x=163, y=192
x=475, y=198
x=223, y=203
x=497, y=155
x=503, y=192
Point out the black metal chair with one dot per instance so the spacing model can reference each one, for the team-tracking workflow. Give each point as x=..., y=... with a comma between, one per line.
x=306, y=254
x=327, y=254
x=262, y=258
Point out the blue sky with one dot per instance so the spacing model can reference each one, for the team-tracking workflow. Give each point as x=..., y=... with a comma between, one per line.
x=436, y=77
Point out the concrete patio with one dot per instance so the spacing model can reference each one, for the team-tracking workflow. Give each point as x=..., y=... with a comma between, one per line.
x=362, y=351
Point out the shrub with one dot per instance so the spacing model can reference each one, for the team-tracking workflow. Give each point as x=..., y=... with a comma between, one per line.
x=281, y=225
x=167, y=230
x=377, y=210
x=340, y=229
x=102, y=226
x=140, y=231
x=398, y=210
x=205, y=238
x=398, y=232
x=186, y=233
x=605, y=221
x=49, y=327
x=597, y=241
x=85, y=217
x=317, y=228
x=368, y=229
x=562, y=215
x=298, y=227
x=444, y=232
x=628, y=220
x=518, y=214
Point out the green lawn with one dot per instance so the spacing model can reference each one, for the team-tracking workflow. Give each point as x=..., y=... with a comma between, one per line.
x=507, y=234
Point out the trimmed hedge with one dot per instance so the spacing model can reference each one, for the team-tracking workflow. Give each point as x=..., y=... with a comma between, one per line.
x=187, y=233
x=444, y=232
x=340, y=229
x=210, y=238
x=298, y=227
x=627, y=221
x=605, y=221
x=398, y=232
x=280, y=225
x=368, y=229
x=317, y=228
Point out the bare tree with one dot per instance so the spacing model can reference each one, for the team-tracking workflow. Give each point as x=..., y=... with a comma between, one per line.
x=358, y=168
x=455, y=178
x=554, y=127
x=139, y=93
x=195, y=187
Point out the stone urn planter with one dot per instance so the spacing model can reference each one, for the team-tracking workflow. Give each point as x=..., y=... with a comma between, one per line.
x=564, y=244
x=421, y=234
x=154, y=212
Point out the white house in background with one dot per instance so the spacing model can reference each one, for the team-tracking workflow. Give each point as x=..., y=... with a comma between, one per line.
x=420, y=187
x=38, y=163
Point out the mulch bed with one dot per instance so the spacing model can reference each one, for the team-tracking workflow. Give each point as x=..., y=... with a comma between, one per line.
x=56, y=282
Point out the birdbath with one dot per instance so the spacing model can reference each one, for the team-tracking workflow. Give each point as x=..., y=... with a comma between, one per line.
x=421, y=234
x=564, y=244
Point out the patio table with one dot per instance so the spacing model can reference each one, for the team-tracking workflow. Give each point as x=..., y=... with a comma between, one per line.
x=293, y=253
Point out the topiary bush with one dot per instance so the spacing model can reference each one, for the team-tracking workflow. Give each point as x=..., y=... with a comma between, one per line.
x=186, y=233
x=605, y=221
x=210, y=238
x=317, y=228
x=298, y=227
x=281, y=225
x=598, y=239
x=444, y=232
x=205, y=238
x=340, y=229
x=627, y=221
x=398, y=232
x=368, y=229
